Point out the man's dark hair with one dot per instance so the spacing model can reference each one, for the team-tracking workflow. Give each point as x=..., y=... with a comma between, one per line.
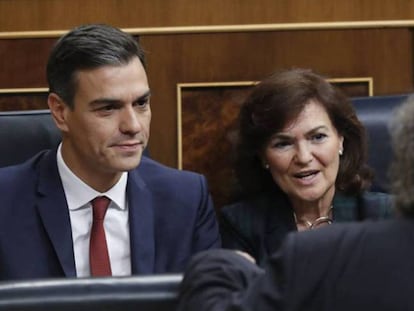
x=88, y=47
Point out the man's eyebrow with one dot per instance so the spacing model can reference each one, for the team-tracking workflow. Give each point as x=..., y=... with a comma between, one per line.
x=107, y=101
x=146, y=94
x=104, y=101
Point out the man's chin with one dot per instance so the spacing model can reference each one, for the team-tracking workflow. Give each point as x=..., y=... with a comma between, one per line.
x=129, y=165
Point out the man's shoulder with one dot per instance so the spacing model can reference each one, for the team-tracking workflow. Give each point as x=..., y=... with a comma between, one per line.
x=150, y=164
x=161, y=178
x=150, y=169
x=19, y=182
x=22, y=170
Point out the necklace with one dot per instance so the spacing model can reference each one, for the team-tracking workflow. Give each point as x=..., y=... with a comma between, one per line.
x=318, y=221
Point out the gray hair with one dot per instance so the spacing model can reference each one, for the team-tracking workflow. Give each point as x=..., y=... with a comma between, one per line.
x=402, y=166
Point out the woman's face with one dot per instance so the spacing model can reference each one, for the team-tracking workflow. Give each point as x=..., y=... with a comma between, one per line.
x=303, y=158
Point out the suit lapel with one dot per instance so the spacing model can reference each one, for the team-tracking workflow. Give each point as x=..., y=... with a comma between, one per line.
x=141, y=223
x=54, y=212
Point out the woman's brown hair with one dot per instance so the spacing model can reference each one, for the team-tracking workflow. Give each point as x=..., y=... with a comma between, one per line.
x=279, y=99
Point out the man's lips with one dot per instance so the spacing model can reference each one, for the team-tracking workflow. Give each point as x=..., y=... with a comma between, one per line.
x=128, y=145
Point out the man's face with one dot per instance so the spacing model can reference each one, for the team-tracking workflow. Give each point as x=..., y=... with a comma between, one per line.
x=106, y=132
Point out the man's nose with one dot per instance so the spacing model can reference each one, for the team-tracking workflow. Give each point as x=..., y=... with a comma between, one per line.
x=130, y=122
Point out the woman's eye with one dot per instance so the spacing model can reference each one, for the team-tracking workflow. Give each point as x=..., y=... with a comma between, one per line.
x=281, y=144
x=319, y=136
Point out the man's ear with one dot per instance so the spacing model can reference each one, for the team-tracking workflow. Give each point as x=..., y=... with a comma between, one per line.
x=58, y=109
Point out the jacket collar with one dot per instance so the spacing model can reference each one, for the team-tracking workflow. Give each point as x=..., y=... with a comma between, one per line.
x=141, y=223
x=54, y=213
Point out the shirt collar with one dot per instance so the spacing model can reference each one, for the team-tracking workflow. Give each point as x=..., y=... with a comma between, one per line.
x=79, y=194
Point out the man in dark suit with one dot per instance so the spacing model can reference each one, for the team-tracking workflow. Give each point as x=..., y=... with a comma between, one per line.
x=365, y=266
x=153, y=217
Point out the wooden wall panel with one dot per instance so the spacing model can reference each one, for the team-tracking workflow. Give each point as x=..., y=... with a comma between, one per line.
x=23, y=101
x=251, y=56
x=384, y=54
x=23, y=62
x=23, y=15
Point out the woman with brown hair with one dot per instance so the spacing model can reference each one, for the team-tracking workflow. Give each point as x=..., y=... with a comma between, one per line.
x=300, y=164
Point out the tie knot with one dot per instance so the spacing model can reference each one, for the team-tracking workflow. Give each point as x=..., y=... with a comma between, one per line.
x=99, y=207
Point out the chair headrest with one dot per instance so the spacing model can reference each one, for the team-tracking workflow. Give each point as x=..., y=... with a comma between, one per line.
x=25, y=133
x=375, y=113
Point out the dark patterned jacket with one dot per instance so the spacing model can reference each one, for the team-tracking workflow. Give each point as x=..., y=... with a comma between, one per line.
x=258, y=226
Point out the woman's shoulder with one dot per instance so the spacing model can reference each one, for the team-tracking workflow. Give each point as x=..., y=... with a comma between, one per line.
x=259, y=205
x=378, y=205
x=377, y=196
x=367, y=205
x=251, y=225
x=245, y=209
x=256, y=214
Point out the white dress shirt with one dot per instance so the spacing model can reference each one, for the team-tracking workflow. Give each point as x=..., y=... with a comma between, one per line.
x=78, y=196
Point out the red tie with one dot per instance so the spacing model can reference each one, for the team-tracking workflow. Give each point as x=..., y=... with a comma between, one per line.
x=98, y=249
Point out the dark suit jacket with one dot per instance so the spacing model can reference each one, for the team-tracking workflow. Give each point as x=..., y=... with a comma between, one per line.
x=171, y=217
x=258, y=226
x=358, y=267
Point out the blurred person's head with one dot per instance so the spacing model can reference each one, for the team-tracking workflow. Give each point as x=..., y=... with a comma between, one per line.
x=402, y=165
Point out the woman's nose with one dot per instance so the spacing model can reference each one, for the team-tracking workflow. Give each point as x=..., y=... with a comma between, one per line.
x=303, y=153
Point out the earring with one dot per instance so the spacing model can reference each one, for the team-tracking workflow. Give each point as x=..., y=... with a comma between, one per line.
x=266, y=166
x=341, y=152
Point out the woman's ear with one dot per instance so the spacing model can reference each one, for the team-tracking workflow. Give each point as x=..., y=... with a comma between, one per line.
x=341, y=145
x=263, y=160
x=58, y=110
